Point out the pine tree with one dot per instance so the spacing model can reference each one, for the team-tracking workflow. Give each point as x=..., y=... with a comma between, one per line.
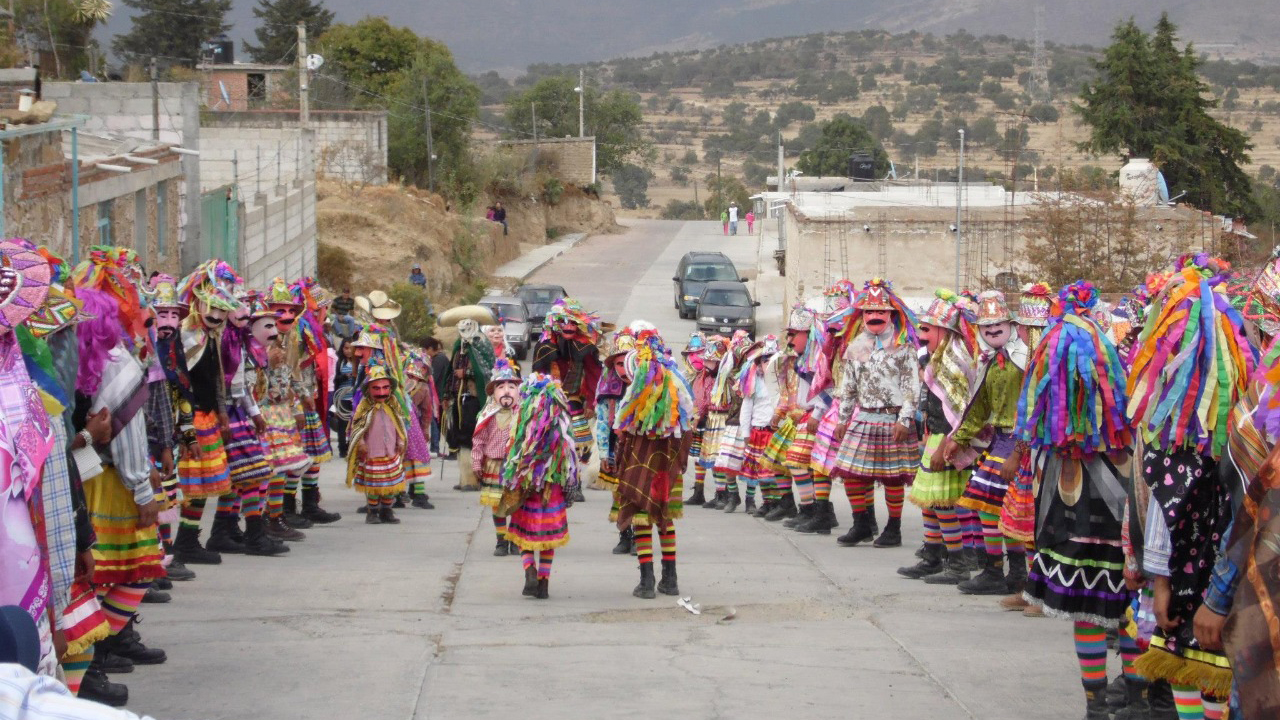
x=1149, y=101
x=278, y=35
x=172, y=30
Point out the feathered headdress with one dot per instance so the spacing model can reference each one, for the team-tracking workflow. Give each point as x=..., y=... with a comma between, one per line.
x=569, y=310
x=211, y=283
x=876, y=294
x=1191, y=361
x=1073, y=396
x=542, y=450
x=658, y=402
x=106, y=270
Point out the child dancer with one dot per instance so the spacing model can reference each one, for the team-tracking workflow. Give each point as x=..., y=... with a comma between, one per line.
x=491, y=440
x=375, y=464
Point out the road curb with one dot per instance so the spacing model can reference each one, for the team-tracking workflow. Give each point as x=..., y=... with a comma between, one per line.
x=556, y=249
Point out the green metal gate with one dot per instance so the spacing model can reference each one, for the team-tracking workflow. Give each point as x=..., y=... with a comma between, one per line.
x=220, y=224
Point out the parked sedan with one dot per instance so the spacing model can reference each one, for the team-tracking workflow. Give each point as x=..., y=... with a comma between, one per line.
x=514, y=318
x=726, y=307
x=539, y=299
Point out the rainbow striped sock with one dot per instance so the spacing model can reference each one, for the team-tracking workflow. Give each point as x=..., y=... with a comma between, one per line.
x=1091, y=652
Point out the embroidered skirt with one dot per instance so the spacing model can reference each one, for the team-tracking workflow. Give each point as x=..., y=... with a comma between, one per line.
x=780, y=442
x=936, y=489
x=826, y=449
x=1018, y=512
x=125, y=553
x=207, y=476
x=416, y=471
x=283, y=442
x=541, y=522
x=800, y=453
x=491, y=482
x=379, y=477
x=754, y=464
x=733, y=449
x=870, y=454
x=985, y=491
x=248, y=464
x=315, y=438
x=712, y=434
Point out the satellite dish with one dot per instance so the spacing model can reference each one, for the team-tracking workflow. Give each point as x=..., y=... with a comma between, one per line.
x=314, y=62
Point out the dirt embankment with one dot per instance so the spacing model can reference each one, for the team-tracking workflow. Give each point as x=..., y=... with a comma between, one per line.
x=538, y=222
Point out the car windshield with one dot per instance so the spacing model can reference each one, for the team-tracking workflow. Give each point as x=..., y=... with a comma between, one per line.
x=708, y=272
x=508, y=312
x=731, y=298
x=540, y=296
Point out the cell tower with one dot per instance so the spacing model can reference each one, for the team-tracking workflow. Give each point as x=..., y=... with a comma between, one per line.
x=1039, y=68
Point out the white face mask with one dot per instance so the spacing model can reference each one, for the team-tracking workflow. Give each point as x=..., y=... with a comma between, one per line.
x=506, y=394
x=997, y=334
x=264, y=330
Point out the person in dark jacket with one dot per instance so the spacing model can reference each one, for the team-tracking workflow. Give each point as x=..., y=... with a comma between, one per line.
x=440, y=375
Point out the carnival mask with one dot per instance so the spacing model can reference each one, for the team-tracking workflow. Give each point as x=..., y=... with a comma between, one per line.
x=620, y=368
x=264, y=330
x=240, y=318
x=362, y=354
x=507, y=394
x=930, y=336
x=285, y=315
x=568, y=328
x=797, y=339
x=167, y=321
x=380, y=390
x=214, y=318
x=997, y=334
x=711, y=366
x=494, y=333
x=877, y=321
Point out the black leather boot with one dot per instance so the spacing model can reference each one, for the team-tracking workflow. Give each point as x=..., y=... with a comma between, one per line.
x=1160, y=698
x=176, y=570
x=721, y=499
x=1137, y=705
x=220, y=537
x=765, y=508
x=953, y=572
x=291, y=515
x=256, y=540
x=1096, y=705
x=990, y=582
x=96, y=687
x=892, y=535
x=128, y=644
x=530, y=581
x=733, y=498
x=645, y=589
x=312, y=511
x=860, y=532
x=156, y=596
x=928, y=565
x=697, y=498
x=783, y=509
x=187, y=548
x=373, y=516
x=749, y=507
x=501, y=549
x=1016, y=580
x=803, y=513
x=625, y=540
x=667, y=585
x=542, y=591
x=389, y=516
x=280, y=530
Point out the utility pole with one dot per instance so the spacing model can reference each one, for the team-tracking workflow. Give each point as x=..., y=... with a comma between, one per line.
x=155, y=101
x=582, y=94
x=695, y=202
x=781, y=163
x=533, y=112
x=431, y=151
x=719, y=185
x=304, y=77
x=959, y=185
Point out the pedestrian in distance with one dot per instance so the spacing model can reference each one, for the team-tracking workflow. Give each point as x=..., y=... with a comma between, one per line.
x=724, y=220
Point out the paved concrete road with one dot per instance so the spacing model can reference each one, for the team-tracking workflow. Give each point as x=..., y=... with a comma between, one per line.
x=420, y=621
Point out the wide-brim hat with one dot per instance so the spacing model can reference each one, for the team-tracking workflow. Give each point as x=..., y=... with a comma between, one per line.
x=278, y=293
x=801, y=318
x=697, y=342
x=388, y=310
x=715, y=349
x=942, y=311
x=24, y=284
x=1035, y=305
x=60, y=310
x=992, y=308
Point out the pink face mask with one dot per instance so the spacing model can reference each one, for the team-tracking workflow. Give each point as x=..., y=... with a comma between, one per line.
x=264, y=330
x=167, y=321
x=506, y=394
x=240, y=318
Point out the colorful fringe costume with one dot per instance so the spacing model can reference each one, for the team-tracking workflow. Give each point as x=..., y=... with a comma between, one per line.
x=1189, y=368
x=489, y=446
x=567, y=351
x=375, y=461
x=539, y=476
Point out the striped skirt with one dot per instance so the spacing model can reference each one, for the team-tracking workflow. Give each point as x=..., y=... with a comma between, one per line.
x=1018, y=513
x=733, y=450
x=207, y=476
x=416, y=470
x=315, y=438
x=712, y=434
x=124, y=553
x=939, y=489
x=83, y=621
x=695, y=448
x=491, y=482
x=870, y=454
x=248, y=464
x=800, y=452
x=780, y=442
x=541, y=522
x=754, y=464
x=985, y=491
x=380, y=477
x=282, y=442
x=582, y=439
x=826, y=450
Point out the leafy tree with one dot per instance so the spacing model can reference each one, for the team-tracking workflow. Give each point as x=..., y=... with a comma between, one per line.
x=631, y=182
x=1148, y=101
x=842, y=136
x=171, y=29
x=613, y=117
x=454, y=101
x=789, y=112
x=415, y=324
x=1043, y=112
x=735, y=113
x=754, y=174
x=680, y=175
x=984, y=131
x=723, y=191
x=370, y=55
x=878, y=122
x=690, y=157
x=66, y=26
x=682, y=210
x=278, y=34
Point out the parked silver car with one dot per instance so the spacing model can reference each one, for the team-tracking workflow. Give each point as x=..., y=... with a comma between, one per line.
x=513, y=315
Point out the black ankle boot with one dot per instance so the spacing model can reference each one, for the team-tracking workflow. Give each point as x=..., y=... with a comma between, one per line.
x=280, y=530
x=783, y=509
x=291, y=515
x=128, y=644
x=221, y=539
x=256, y=540
x=803, y=513
x=500, y=550
x=645, y=589
x=928, y=565
x=749, y=507
x=389, y=516
x=96, y=687
x=953, y=572
x=1137, y=705
x=860, y=532
x=1016, y=580
x=312, y=511
x=530, y=581
x=697, y=498
x=187, y=548
x=1096, y=705
x=765, y=508
x=732, y=501
x=717, y=501
x=625, y=539
x=542, y=591
x=892, y=535
x=667, y=585
x=989, y=582
x=373, y=516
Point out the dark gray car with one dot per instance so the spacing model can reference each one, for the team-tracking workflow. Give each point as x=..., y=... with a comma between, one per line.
x=726, y=307
x=695, y=270
x=539, y=299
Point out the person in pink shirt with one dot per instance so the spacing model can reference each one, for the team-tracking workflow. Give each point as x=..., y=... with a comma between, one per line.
x=751, y=223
